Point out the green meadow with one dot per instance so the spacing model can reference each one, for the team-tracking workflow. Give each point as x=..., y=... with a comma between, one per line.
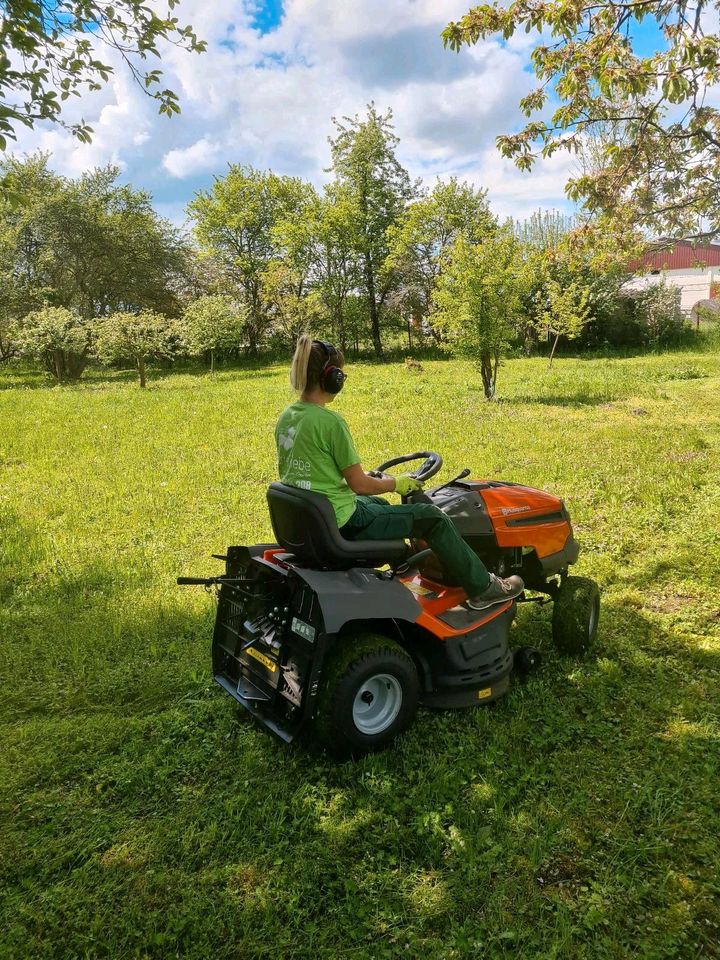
x=143, y=815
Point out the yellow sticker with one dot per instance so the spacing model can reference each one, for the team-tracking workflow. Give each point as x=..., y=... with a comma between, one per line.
x=265, y=661
x=418, y=589
x=484, y=693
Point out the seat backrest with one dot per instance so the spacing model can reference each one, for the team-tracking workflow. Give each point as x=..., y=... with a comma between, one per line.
x=305, y=525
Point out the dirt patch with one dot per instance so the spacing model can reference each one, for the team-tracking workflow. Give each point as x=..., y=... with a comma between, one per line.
x=670, y=603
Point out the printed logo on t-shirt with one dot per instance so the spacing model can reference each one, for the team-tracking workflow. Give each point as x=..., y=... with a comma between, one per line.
x=300, y=466
x=288, y=439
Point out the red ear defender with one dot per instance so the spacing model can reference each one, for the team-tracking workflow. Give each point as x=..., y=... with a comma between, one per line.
x=332, y=379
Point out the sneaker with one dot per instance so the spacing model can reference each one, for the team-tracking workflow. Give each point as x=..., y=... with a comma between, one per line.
x=498, y=591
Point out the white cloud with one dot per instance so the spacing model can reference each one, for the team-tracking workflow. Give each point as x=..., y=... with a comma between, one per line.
x=200, y=157
x=268, y=99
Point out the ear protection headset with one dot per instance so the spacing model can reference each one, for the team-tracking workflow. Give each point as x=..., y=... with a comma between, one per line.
x=332, y=378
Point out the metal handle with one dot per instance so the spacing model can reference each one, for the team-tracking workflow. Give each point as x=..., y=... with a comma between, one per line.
x=461, y=476
x=411, y=561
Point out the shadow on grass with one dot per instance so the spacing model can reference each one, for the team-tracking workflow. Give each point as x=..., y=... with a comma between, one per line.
x=177, y=818
x=14, y=377
x=93, y=378
x=578, y=399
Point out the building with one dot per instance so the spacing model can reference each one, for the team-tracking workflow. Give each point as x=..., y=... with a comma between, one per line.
x=694, y=270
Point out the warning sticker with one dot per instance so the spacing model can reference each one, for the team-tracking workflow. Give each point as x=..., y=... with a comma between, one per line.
x=417, y=588
x=264, y=660
x=484, y=693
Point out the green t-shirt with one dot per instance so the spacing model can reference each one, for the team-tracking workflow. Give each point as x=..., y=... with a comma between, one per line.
x=314, y=447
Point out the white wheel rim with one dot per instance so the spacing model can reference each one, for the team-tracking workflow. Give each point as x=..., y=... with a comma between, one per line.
x=593, y=619
x=377, y=703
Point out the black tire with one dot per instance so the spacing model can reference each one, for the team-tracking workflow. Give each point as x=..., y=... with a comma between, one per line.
x=527, y=660
x=576, y=613
x=356, y=668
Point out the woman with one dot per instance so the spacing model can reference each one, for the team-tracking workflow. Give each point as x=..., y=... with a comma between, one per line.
x=316, y=452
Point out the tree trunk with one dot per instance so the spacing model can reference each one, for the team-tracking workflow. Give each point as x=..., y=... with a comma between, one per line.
x=488, y=372
x=141, y=370
x=339, y=328
x=552, y=352
x=252, y=341
x=529, y=340
x=212, y=361
x=374, y=312
x=409, y=333
x=58, y=361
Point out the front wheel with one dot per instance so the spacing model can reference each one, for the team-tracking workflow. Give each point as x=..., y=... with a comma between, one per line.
x=576, y=613
x=368, y=695
x=527, y=660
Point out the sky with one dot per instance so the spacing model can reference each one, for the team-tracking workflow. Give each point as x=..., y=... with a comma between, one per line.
x=277, y=71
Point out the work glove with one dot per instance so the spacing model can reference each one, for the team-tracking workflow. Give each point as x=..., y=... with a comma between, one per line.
x=405, y=484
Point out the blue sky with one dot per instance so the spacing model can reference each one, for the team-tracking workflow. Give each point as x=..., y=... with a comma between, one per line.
x=268, y=15
x=277, y=71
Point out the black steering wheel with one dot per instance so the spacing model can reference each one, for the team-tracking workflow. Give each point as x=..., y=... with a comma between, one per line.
x=432, y=462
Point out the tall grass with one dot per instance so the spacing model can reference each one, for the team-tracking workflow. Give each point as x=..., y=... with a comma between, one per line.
x=143, y=817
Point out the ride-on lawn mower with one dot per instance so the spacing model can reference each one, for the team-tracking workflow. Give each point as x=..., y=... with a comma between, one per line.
x=353, y=635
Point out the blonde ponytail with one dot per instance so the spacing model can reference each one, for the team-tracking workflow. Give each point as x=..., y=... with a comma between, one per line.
x=300, y=362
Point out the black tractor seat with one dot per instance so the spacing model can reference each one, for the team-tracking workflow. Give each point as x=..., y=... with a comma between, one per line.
x=305, y=525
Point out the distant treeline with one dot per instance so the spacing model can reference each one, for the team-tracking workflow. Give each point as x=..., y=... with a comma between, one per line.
x=369, y=259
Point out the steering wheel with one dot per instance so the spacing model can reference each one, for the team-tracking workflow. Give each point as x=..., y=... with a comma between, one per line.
x=432, y=462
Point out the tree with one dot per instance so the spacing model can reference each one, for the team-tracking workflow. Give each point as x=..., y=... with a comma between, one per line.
x=11, y=302
x=289, y=278
x=51, y=50
x=139, y=337
x=563, y=311
x=292, y=308
x=365, y=164
x=665, y=165
x=544, y=229
x=337, y=261
x=234, y=229
x=91, y=245
x=56, y=337
x=592, y=256
x=420, y=241
x=479, y=299
x=210, y=324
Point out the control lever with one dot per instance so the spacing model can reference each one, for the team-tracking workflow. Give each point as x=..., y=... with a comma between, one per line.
x=461, y=476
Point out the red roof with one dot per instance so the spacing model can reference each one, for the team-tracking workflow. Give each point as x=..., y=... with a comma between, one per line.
x=681, y=256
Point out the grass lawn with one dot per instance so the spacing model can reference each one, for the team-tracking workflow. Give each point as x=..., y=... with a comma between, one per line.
x=143, y=816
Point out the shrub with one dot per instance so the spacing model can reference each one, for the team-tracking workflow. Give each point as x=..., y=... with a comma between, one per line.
x=138, y=337
x=57, y=338
x=637, y=318
x=659, y=308
x=211, y=324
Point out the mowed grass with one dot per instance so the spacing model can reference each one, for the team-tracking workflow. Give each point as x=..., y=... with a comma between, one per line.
x=144, y=816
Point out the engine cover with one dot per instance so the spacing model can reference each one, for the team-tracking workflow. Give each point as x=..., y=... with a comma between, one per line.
x=498, y=518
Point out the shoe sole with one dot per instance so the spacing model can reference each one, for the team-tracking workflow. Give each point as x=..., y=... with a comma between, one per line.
x=492, y=603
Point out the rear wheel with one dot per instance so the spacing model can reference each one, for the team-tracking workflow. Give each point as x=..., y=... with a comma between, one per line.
x=576, y=613
x=369, y=694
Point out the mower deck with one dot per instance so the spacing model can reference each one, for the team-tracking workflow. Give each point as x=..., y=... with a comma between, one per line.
x=268, y=662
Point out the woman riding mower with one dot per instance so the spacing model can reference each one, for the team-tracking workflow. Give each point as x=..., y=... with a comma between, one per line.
x=316, y=452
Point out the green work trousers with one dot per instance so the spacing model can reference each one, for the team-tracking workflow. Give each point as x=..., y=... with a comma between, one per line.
x=376, y=519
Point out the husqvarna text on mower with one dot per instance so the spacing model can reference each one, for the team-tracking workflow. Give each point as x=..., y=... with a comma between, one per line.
x=353, y=635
